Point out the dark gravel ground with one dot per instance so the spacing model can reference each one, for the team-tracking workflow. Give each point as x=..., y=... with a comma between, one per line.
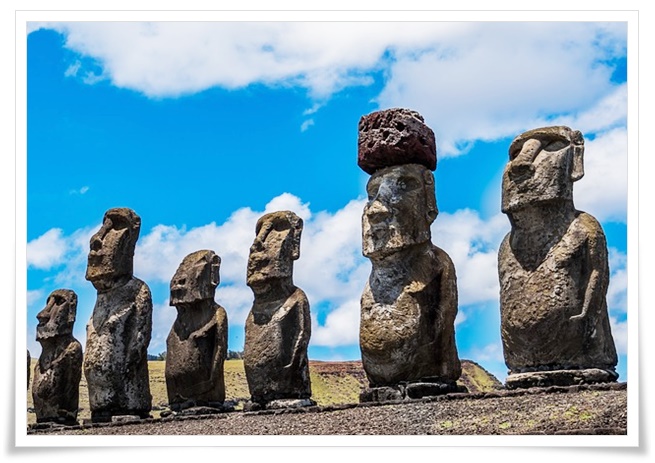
x=592, y=409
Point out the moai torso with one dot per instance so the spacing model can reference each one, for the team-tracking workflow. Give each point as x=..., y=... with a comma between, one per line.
x=409, y=304
x=118, y=333
x=196, y=347
x=278, y=326
x=57, y=374
x=553, y=265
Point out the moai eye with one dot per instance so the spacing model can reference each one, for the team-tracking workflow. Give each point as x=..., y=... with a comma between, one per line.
x=555, y=145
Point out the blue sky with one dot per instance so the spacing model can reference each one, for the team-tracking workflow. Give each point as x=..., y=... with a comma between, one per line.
x=203, y=127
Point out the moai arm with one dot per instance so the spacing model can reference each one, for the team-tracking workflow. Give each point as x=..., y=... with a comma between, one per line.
x=138, y=338
x=595, y=260
x=220, y=350
x=301, y=306
x=446, y=317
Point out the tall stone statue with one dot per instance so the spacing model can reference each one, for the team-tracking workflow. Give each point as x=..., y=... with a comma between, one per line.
x=278, y=326
x=118, y=333
x=197, y=344
x=409, y=304
x=57, y=374
x=553, y=268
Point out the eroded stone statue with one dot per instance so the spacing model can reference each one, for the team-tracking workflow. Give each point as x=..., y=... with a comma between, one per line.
x=278, y=326
x=118, y=333
x=196, y=347
x=553, y=268
x=409, y=304
x=57, y=374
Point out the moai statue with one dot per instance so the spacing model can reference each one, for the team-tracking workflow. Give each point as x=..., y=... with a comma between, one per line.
x=197, y=344
x=57, y=374
x=29, y=367
x=553, y=268
x=409, y=304
x=118, y=333
x=278, y=326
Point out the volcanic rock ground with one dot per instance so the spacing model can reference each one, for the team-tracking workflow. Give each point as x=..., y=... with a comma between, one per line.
x=591, y=409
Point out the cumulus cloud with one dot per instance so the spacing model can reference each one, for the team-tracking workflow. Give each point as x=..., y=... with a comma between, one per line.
x=472, y=243
x=603, y=191
x=47, y=251
x=472, y=81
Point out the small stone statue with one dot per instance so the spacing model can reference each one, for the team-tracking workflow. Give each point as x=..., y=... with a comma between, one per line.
x=57, y=374
x=278, y=326
x=409, y=304
x=553, y=268
x=118, y=333
x=197, y=344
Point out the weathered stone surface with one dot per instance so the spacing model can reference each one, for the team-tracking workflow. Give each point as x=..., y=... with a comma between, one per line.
x=278, y=326
x=409, y=304
x=196, y=347
x=553, y=265
x=29, y=368
x=118, y=333
x=57, y=374
x=395, y=137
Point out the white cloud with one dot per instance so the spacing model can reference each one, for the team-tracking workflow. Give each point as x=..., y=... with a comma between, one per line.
x=306, y=124
x=35, y=296
x=472, y=243
x=603, y=191
x=501, y=79
x=471, y=81
x=341, y=327
x=47, y=251
x=490, y=353
x=620, y=335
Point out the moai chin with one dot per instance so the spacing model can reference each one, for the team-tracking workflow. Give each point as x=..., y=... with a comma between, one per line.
x=409, y=304
x=57, y=374
x=118, y=333
x=553, y=268
x=196, y=347
x=278, y=326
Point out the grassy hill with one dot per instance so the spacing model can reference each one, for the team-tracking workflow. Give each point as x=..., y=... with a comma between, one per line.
x=332, y=383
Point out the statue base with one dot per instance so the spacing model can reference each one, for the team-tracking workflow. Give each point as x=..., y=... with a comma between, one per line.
x=409, y=391
x=278, y=404
x=560, y=378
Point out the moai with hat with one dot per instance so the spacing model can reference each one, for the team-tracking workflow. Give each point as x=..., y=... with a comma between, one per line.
x=57, y=374
x=409, y=304
x=553, y=268
x=118, y=333
x=278, y=326
x=196, y=347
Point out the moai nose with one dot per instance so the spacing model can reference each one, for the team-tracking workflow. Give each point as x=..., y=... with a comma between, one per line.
x=378, y=211
x=521, y=165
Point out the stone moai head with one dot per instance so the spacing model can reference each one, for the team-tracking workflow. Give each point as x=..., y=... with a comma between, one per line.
x=276, y=246
x=196, y=278
x=399, y=150
x=543, y=164
x=112, y=248
x=58, y=316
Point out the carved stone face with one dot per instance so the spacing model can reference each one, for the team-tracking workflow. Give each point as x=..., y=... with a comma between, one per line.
x=58, y=316
x=543, y=164
x=276, y=246
x=401, y=206
x=196, y=278
x=112, y=247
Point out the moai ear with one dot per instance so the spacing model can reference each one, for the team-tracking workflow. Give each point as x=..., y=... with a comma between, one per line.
x=577, y=166
x=430, y=196
x=215, y=270
x=296, y=231
x=72, y=308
